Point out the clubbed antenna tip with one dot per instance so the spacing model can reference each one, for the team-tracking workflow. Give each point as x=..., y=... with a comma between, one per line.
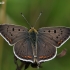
x=21, y=13
x=25, y=19
x=41, y=12
x=38, y=18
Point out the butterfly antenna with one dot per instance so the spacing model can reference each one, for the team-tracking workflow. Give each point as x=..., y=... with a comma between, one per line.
x=38, y=18
x=26, y=20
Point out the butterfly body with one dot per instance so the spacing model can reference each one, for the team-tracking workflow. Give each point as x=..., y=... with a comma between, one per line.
x=32, y=45
x=33, y=37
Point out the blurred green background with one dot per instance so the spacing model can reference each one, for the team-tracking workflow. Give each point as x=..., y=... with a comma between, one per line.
x=55, y=13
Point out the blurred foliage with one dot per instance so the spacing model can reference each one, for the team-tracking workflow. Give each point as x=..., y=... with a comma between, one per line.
x=55, y=13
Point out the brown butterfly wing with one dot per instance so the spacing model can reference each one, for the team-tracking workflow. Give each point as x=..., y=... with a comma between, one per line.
x=18, y=36
x=47, y=41
x=45, y=50
x=13, y=33
x=23, y=50
x=54, y=35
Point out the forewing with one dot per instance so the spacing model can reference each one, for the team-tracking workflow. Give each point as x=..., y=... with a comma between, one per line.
x=23, y=50
x=13, y=33
x=54, y=35
x=45, y=50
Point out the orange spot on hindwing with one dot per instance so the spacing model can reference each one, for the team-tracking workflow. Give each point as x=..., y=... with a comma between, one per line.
x=60, y=42
x=27, y=57
x=45, y=57
x=42, y=57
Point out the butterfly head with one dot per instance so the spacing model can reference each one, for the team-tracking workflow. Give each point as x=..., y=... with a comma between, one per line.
x=32, y=29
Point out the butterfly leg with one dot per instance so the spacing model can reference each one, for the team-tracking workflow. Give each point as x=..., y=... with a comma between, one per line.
x=22, y=64
x=15, y=60
x=63, y=53
x=27, y=65
x=39, y=65
x=18, y=67
x=35, y=65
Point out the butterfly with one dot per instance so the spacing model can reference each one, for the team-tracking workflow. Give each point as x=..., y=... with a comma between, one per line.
x=33, y=46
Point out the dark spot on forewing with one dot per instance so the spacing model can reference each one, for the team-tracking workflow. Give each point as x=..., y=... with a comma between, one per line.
x=18, y=29
x=54, y=31
x=11, y=35
x=57, y=37
x=12, y=29
x=49, y=31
